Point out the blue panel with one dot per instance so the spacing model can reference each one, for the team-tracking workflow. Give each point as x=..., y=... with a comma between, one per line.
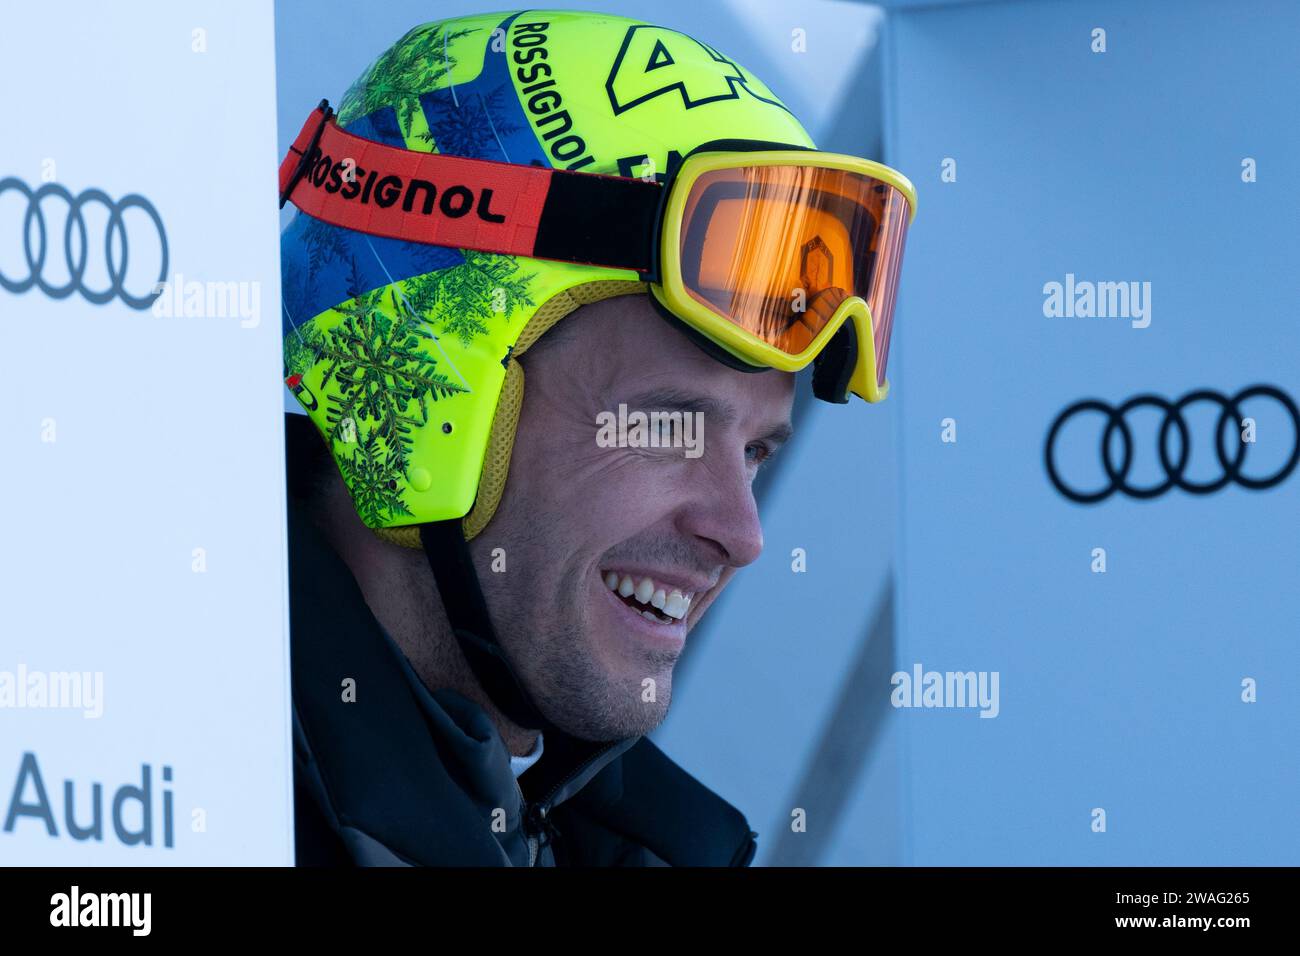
x=1118, y=690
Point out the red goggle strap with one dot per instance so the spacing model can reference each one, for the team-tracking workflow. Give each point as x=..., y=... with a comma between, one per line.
x=356, y=183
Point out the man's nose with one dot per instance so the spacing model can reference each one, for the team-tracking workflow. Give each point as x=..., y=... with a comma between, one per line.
x=720, y=509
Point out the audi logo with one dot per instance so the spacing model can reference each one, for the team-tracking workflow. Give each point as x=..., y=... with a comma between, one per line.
x=1231, y=465
x=37, y=244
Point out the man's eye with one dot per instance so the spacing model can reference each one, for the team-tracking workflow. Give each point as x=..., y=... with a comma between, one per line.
x=757, y=452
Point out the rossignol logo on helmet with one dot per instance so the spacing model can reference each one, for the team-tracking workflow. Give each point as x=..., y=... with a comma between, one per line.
x=350, y=181
x=544, y=101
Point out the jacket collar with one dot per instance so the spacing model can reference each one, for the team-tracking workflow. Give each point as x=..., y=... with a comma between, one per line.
x=566, y=766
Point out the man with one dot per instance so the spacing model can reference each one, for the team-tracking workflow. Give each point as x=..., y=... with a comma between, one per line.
x=490, y=590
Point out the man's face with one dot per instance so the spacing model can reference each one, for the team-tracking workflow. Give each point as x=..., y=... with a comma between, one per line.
x=578, y=516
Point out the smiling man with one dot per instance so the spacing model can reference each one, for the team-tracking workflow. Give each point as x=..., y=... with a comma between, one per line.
x=615, y=553
x=488, y=598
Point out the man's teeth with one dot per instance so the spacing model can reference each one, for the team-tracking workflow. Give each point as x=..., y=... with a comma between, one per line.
x=670, y=601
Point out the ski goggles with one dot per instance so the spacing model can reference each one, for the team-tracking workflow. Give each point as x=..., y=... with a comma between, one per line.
x=770, y=256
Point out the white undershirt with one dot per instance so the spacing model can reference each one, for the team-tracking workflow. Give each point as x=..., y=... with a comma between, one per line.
x=519, y=764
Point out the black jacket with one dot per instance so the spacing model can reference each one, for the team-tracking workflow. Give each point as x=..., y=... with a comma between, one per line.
x=406, y=777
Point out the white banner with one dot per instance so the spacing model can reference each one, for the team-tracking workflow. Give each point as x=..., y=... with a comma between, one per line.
x=144, y=694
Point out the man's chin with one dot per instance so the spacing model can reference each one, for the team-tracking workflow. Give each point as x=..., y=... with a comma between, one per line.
x=633, y=703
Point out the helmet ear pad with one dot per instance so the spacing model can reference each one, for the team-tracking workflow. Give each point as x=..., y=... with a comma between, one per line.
x=505, y=419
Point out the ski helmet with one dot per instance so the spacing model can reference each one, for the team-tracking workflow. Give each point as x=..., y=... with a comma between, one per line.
x=404, y=354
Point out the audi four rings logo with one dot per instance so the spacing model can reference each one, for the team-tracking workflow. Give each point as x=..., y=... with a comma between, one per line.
x=37, y=244
x=1231, y=465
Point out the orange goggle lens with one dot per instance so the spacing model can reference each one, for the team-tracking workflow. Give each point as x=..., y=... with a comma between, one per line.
x=776, y=249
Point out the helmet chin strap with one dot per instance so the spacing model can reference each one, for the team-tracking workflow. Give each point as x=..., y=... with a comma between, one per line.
x=449, y=558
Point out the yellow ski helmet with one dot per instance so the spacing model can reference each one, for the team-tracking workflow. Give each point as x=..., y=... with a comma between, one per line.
x=404, y=354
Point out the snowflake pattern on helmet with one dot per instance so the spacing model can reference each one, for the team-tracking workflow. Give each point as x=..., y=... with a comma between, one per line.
x=378, y=353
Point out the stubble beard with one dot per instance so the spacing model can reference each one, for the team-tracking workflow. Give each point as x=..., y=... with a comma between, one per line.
x=551, y=645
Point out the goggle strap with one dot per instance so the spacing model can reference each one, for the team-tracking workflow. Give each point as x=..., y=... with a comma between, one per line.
x=600, y=220
x=479, y=204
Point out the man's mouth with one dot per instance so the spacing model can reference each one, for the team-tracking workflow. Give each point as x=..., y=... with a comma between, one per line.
x=658, y=602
